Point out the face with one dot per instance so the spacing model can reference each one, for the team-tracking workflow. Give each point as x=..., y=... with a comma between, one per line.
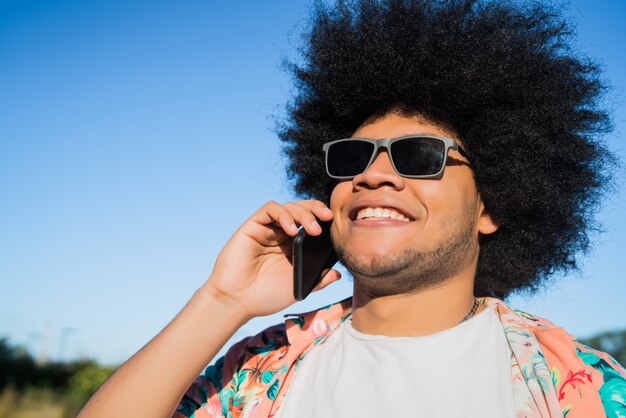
x=398, y=235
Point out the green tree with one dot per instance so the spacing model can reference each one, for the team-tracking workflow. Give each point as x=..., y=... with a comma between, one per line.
x=17, y=367
x=84, y=383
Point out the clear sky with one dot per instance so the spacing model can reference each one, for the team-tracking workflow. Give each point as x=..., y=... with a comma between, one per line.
x=136, y=136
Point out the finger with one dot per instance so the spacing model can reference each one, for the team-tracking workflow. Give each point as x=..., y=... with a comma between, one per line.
x=303, y=216
x=323, y=212
x=319, y=209
x=275, y=213
x=330, y=277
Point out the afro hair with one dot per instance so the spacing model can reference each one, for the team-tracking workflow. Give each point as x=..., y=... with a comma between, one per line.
x=504, y=77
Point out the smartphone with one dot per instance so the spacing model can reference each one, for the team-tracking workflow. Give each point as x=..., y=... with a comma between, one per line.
x=313, y=257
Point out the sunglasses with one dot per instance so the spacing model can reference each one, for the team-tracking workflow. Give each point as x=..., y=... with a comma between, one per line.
x=415, y=156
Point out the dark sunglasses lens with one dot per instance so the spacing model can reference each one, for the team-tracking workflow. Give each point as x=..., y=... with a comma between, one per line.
x=418, y=156
x=348, y=158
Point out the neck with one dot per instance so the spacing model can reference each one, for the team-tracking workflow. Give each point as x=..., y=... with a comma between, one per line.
x=422, y=313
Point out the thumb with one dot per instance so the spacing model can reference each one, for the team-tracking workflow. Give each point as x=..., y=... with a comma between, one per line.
x=330, y=277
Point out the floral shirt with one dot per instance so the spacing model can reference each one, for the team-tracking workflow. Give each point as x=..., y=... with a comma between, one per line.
x=553, y=374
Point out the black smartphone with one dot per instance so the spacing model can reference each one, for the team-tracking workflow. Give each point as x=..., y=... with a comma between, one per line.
x=313, y=257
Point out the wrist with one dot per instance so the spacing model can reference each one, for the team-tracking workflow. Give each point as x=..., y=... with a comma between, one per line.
x=229, y=306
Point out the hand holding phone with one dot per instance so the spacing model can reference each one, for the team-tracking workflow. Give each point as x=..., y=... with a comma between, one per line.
x=254, y=271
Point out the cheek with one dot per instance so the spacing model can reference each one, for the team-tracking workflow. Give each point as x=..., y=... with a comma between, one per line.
x=446, y=199
x=338, y=200
x=435, y=196
x=340, y=196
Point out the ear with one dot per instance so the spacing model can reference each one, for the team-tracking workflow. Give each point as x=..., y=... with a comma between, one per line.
x=485, y=223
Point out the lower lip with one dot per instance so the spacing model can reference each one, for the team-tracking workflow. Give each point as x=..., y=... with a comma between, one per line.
x=379, y=222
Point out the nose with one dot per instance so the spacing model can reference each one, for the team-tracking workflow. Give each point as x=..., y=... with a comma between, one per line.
x=380, y=173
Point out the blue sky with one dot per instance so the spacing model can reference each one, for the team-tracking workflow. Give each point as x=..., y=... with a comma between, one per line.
x=136, y=136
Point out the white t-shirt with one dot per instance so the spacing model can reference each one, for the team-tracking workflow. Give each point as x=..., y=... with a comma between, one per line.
x=464, y=371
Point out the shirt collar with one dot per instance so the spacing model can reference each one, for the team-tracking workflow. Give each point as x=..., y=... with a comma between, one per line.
x=323, y=321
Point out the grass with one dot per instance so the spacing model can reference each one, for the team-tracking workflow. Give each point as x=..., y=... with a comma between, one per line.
x=36, y=403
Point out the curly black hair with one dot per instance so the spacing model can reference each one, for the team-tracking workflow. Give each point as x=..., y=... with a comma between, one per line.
x=504, y=77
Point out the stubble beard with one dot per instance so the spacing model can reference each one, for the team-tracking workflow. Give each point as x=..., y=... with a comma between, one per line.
x=410, y=271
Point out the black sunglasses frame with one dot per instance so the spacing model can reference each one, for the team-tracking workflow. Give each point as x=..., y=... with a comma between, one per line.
x=386, y=143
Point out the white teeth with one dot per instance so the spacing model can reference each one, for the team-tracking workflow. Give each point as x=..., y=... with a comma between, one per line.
x=380, y=213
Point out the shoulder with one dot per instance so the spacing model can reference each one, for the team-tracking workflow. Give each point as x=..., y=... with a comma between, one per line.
x=301, y=329
x=583, y=377
x=314, y=326
x=240, y=377
x=253, y=372
x=553, y=338
x=270, y=339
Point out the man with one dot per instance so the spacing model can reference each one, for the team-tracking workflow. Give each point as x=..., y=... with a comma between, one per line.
x=460, y=163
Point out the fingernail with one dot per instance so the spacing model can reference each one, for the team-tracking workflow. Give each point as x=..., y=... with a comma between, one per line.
x=293, y=227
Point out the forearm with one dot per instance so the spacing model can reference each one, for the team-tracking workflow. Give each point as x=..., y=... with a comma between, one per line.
x=156, y=377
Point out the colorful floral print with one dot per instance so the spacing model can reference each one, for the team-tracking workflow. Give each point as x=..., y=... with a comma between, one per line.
x=553, y=375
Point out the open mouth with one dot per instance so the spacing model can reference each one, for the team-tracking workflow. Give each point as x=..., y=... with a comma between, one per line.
x=379, y=213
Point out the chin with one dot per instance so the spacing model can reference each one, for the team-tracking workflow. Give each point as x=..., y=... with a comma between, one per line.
x=376, y=248
x=383, y=270
x=371, y=261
